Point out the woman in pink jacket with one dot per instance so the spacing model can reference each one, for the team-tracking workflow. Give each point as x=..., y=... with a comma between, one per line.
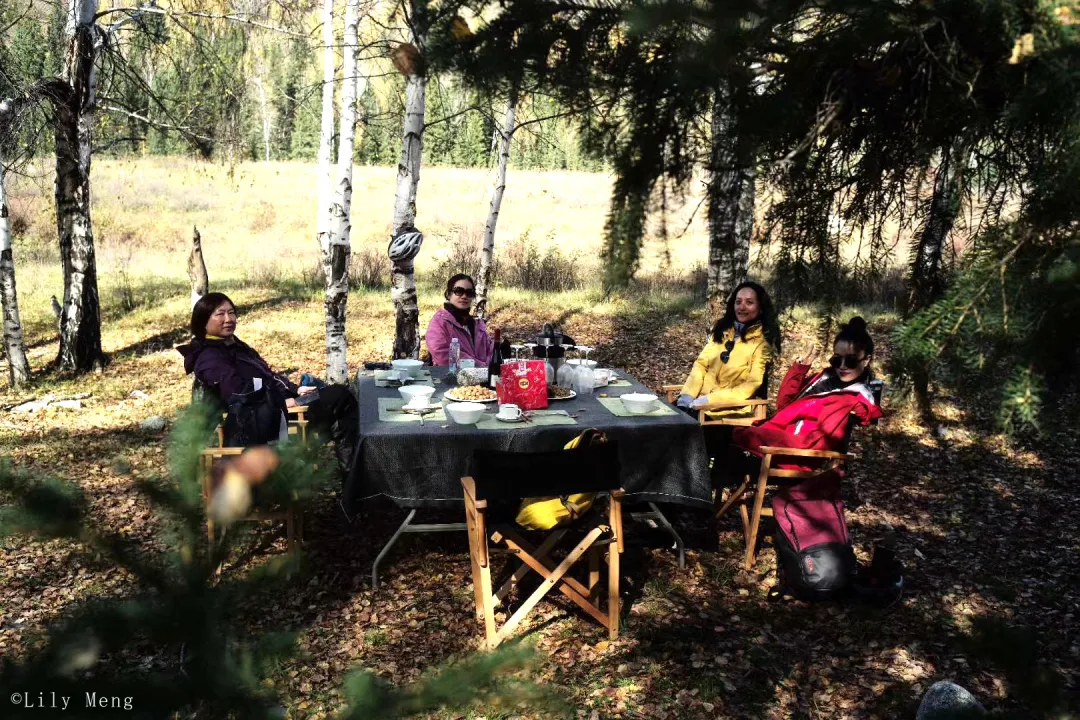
x=454, y=321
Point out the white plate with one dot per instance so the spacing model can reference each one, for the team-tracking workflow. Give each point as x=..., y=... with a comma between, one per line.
x=448, y=396
x=571, y=396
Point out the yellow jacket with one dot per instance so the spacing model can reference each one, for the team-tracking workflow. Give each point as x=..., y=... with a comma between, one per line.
x=738, y=378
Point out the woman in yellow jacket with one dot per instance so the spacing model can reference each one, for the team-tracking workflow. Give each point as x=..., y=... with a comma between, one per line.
x=733, y=365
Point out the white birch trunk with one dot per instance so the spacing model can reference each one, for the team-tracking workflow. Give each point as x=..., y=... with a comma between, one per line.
x=402, y=277
x=336, y=249
x=18, y=365
x=731, y=205
x=265, y=119
x=200, y=281
x=487, y=252
x=80, y=322
x=326, y=128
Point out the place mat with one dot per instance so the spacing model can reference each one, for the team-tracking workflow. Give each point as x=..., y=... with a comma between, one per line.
x=388, y=406
x=618, y=383
x=615, y=407
x=538, y=417
x=381, y=381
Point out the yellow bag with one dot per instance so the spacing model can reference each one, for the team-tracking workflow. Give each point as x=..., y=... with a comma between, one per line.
x=547, y=513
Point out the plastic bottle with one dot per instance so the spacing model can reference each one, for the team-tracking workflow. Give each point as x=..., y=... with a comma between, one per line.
x=455, y=356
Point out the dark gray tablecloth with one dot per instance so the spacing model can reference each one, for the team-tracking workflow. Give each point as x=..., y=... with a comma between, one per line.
x=662, y=459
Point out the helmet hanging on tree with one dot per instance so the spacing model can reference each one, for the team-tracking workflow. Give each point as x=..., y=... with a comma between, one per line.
x=405, y=244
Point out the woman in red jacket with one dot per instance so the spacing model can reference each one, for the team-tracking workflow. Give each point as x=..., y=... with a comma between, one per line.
x=814, y=413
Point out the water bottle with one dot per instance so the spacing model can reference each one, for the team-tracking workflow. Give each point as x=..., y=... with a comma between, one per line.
x=455, y=356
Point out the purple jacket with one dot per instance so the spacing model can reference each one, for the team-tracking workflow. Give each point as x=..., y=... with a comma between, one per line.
x=443, y=327
x=228, y=368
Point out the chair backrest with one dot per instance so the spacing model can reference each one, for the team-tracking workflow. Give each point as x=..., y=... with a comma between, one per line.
x=512, y=476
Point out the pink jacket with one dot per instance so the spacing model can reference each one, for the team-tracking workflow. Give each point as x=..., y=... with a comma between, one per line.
x=443, y=327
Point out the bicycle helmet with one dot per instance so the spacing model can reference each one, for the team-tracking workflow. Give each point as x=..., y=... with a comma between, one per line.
x=405, y=244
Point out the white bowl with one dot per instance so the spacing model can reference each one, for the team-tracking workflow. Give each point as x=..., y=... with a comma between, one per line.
x=465, y=413
x=639, y=403
x=591, y=364
x=411, y=393
x=413, y=367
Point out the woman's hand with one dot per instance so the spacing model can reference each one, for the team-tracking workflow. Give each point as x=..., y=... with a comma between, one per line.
x=290, y=403
x=684, y=401
x=305, y=389
x=811, y=357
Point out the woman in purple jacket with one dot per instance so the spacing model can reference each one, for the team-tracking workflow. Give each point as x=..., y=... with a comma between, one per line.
x=454, y=321
x=227, y=366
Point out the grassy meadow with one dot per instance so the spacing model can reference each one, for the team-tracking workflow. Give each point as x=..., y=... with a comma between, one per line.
x=700, y=642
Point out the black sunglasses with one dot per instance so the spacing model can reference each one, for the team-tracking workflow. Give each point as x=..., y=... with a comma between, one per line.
x=467, y=292
x=848, y=361
x=728, y=347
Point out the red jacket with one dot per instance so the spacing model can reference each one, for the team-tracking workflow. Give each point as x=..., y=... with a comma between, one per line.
x=816, y=421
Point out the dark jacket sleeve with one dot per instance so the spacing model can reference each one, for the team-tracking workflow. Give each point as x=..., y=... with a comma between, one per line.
x=214, y=370
x=284, y=386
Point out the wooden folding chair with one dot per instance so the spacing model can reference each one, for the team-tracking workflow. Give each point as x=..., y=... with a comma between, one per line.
x=758, y=404
x=771, y=476
x=293, y=517
x=499, y=482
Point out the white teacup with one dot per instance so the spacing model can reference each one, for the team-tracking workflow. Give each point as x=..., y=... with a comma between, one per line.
x=509, y=412
x=601, y=376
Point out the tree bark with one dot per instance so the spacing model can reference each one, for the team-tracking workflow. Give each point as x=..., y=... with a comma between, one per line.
x=80, y=323
x=18, y=365
x=402, y=277
x=196, y=268
x=488, y=250
x=326, y=128
x=336, y=249
x=927, y=279
x=730, y=204
x=265, y=119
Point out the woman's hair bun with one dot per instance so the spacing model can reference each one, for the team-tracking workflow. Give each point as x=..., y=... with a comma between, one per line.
x=857, y=324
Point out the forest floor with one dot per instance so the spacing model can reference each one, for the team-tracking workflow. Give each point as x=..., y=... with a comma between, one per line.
x=985, y=527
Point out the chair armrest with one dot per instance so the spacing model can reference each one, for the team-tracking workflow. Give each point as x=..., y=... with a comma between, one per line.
x=671, y=388
x=469, y=486
x=298, y=410
x=800, y=452
x=730, y=404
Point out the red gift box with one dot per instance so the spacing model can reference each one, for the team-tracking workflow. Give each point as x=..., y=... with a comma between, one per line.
x=523, y=383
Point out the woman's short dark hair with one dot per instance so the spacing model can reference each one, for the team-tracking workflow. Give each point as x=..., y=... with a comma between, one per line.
x=769, y=323
x=855, y=332
x=454, y=281
x=204, y=308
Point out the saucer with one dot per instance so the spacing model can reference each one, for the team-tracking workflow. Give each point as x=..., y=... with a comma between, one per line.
x=520, y=418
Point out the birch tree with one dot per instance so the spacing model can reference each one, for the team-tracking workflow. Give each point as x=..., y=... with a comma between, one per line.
x=73, y=100
x=927, y=280
x=326, y=127
x=18, y=365
x=730, y=204
x=488, y=250
x=336, y=248
x=408, y=60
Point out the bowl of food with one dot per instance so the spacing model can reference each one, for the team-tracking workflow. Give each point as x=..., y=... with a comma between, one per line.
x=472, y=376
x=465, y=413
x=639, y=403
x=416, y=395
x=413, y=367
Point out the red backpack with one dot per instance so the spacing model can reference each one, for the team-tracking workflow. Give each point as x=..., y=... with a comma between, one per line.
x=814, y=557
